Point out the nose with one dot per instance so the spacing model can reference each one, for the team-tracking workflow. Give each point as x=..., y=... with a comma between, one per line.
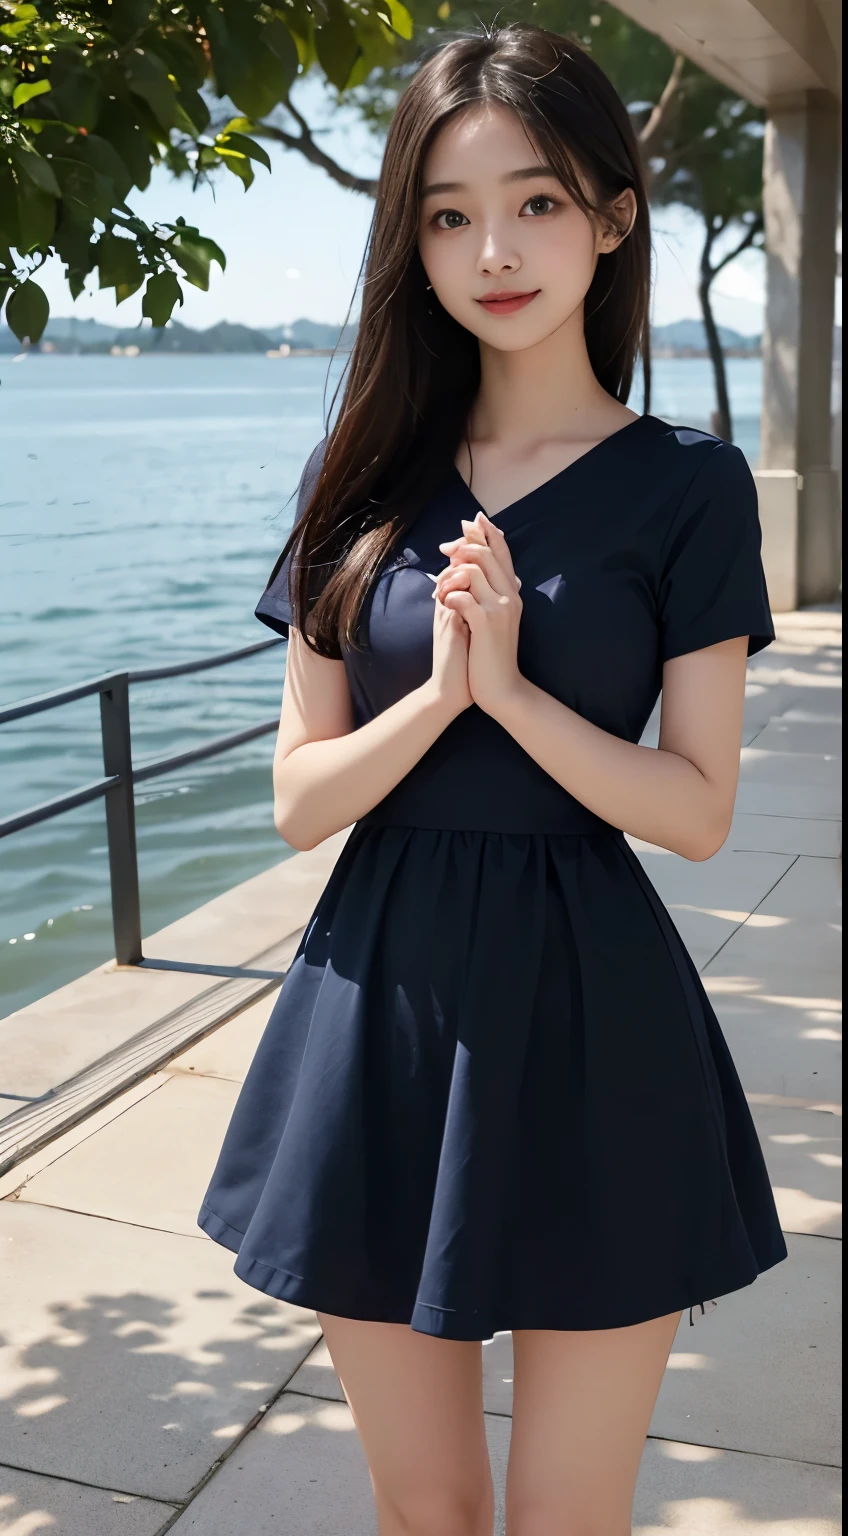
x=496, y=255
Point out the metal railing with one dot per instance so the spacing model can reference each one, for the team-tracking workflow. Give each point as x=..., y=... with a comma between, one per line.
x=117, y=789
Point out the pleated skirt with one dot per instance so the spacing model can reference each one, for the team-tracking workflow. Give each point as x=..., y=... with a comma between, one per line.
x=492, y=1094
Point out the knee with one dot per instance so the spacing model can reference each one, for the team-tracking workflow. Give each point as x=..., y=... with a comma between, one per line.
x=445, y=1514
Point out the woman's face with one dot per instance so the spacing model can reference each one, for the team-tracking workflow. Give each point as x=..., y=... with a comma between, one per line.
x=509, y=255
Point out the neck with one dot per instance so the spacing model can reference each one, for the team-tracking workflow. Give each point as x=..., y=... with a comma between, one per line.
x=541, y=393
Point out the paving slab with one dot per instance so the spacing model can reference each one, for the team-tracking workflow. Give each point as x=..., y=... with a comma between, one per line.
x=783, y=1027
x=818, y=803
x=699, y=1491
x=60, y=1035
x=229, y=1050
x=30, y=1503
x=131, y=1358
x=761, y=1372
x=29, y=1166
x=302, y=1471
x=708, y=900
x=57, y=1037
x=803, y=1152
x=803, y=733
x=784, y=834
x=766, y=762
x=253, y=915
x=151, y=1166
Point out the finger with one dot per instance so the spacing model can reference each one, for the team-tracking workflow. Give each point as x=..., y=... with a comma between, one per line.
x=480, y=554
x=465, y=605
x=473, y=530
x=469, y=578
x=496, y=540
x=472, y=533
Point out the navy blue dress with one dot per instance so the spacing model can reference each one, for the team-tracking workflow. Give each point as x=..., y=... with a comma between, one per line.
x=492, y=1093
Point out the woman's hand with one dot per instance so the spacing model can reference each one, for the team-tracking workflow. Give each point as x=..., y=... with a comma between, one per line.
x=480, y=586
x=450, y=659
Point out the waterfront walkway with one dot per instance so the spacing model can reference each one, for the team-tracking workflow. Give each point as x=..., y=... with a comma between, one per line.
x=145, y=1389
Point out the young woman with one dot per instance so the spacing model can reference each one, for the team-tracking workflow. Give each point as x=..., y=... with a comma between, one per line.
x=492, y=1094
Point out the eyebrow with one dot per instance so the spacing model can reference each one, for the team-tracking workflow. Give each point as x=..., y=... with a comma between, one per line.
x=527, y=173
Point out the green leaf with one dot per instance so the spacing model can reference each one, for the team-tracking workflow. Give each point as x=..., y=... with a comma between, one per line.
x=148, y=78
x=94, y=151
x=86, y=194
x=195, y=108
x=117, y=124
x=195, y=253
x=10, y=228
x=38, y=170
x=36, y=218
x=118, y=265
x=74, y=246
x=161, y=296
x=27, y=90
x=254, y=64
x=26, y=12
x=75, y=94
x=27, y=311
x=279, y=41
x=238, y=164
x=337, y=45
x=244, y=146
x=400, y=19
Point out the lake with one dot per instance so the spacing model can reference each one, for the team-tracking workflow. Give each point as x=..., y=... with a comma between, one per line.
x=142, y=504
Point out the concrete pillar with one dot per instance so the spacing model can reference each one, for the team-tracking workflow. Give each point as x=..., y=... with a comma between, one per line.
x=800, y=186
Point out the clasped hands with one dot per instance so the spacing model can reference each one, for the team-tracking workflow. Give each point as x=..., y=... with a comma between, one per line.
x=480, y=590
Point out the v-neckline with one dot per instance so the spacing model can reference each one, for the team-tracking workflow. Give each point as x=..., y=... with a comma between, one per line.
x=545, y=485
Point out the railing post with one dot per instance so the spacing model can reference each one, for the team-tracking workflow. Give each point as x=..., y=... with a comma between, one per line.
x=120, y=818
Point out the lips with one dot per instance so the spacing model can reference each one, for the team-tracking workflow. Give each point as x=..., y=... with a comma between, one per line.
x=505, y=303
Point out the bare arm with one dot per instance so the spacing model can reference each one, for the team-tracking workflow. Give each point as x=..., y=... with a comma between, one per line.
x=326, y=773
x=679, y=796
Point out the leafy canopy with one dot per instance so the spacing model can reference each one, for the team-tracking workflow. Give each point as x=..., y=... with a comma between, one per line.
x=95, y=93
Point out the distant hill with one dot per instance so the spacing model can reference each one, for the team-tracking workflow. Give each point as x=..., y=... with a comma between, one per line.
x=689, y=336
x=73, y=335
x=311, y=333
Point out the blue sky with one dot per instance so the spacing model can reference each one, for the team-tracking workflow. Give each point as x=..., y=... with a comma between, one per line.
x=294, y=243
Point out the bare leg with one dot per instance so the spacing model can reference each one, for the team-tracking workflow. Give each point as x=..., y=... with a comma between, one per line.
x=417, y=1403
x=581, y=1411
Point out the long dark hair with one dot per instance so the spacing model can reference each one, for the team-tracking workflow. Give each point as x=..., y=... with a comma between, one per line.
x=414, y=371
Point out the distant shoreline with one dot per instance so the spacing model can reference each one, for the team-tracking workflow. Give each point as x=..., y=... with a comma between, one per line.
x=51, y=349
x=76, y=337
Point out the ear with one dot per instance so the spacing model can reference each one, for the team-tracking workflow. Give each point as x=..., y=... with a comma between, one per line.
x=622, y=217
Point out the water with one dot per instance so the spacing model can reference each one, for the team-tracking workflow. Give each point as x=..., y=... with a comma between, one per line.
x=142, y=505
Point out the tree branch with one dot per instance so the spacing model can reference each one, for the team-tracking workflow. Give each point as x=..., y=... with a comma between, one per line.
x=305, y=144
x=660, y=113
x=748, y=240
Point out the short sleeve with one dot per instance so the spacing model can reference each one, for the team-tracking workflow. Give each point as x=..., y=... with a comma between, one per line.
x=713, y=586
x=274, y=607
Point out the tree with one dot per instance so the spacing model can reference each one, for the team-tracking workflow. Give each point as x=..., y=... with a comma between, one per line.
x=716, y=168
x=93, y=95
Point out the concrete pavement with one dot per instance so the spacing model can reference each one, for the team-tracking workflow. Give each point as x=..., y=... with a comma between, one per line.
x=146, y=1389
